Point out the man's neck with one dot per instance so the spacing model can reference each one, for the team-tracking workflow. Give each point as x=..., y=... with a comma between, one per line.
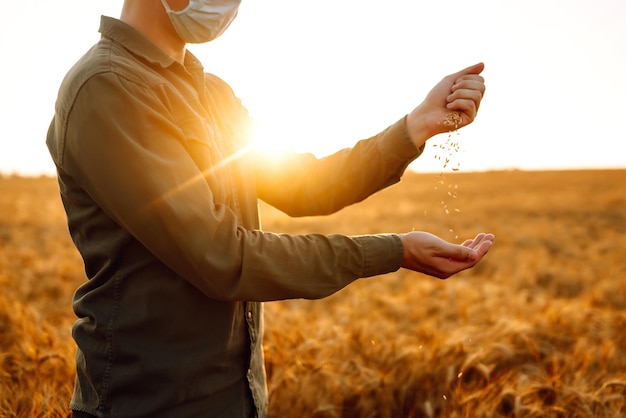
x=151, y=20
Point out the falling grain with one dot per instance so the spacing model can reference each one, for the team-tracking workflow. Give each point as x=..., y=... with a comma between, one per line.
x=447, y=152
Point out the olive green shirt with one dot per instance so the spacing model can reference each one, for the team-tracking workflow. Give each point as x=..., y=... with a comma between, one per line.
x=161, y=192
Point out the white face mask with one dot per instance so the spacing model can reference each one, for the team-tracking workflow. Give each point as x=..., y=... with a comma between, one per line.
x=202, y=20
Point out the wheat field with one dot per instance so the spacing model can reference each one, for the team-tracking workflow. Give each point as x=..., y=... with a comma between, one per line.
x=538, y=329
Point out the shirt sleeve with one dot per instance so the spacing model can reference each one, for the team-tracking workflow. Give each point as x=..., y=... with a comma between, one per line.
x=304, y=185
x=123, y=150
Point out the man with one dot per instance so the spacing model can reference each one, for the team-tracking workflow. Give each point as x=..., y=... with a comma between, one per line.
x=161, y=188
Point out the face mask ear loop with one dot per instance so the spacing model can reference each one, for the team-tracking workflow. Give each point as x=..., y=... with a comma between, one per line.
x=167, y=7
x=169, y=10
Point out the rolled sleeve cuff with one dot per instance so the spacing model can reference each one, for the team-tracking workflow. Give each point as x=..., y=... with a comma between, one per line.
x=398, y=144
x=382, y=253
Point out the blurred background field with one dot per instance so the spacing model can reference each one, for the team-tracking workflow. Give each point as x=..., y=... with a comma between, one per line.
x=538, y=329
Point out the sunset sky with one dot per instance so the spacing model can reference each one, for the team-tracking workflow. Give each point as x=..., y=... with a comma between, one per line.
x=320, y=75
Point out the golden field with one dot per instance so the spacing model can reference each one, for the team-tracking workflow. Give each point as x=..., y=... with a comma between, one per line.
x=538, y=329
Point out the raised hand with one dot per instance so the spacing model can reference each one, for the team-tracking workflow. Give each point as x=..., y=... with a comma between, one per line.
x=461, y=92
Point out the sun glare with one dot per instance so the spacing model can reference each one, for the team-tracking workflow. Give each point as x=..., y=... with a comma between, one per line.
x=269, y=139
x=275, y=136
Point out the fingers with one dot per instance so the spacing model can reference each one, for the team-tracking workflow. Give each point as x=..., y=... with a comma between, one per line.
x=474, y=82
x=481, y=243
x=472, y=88
x=479, y=238
x=472, y=69
x=483, y=238
x=479, y=246
x=475, y=243
x=483, y=248
x=466, y=95
x=467, y=91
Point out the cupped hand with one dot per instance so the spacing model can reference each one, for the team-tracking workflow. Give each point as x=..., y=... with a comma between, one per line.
x=462, y=92
x=431, y=255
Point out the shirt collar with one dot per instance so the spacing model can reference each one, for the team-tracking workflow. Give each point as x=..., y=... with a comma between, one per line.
x=139, y=45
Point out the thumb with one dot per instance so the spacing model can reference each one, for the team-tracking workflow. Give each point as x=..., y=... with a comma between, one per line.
x=461, y=253
x=473, y=69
